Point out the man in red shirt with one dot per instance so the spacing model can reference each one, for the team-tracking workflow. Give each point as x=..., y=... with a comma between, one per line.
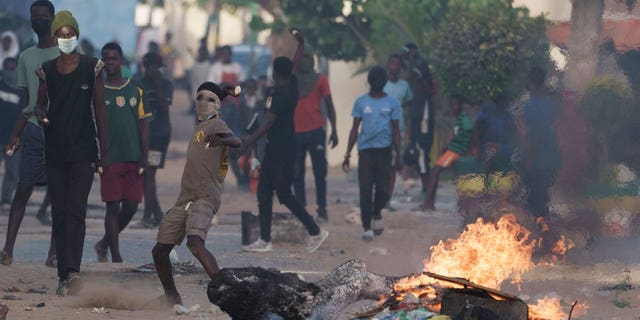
x=310, y=132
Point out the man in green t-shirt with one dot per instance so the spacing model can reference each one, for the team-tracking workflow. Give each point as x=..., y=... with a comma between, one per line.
x=27, y=134
x=127, y=146
x=457, y=146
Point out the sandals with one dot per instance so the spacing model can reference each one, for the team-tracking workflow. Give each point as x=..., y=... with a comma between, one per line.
x=101, y=253
x=5, y=258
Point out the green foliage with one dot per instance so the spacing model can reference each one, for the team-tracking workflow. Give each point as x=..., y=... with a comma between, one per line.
x=629, y=3
x=332, y=33
x=258, y=24
x=404, y=21
x=484, y=49
x=621, y=304
x=624, y=285
x=607, y=104
x=481, y=49
x=372, y=28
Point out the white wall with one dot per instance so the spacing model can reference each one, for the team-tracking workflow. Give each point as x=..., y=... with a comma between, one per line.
x=345, y=89
x=553, y=9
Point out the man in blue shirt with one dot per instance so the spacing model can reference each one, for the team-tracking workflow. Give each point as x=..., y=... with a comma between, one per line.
x=379, y=115
x=496, y=135
x=540, y=150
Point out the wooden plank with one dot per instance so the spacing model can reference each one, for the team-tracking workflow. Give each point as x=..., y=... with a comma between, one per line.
x=467, y=283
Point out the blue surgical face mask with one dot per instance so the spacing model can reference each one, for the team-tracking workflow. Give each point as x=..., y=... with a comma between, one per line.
x=67, y=45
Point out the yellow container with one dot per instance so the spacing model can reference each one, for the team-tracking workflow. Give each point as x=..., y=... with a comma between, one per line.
x=502, y=182
x=496, y=183
x=470, y=185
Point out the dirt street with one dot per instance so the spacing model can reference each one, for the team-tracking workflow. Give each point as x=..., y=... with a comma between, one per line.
x=596, y=277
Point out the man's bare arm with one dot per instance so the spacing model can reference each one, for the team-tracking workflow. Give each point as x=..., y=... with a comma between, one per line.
x=331, y=114
x=262, y=130
x=100, y=110
x=227, y=139
x=143, y=129
x=297, y=57
x=353, y=136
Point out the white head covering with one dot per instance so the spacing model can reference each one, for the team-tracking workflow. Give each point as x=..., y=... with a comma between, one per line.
x=14, y=49
x=207, y=104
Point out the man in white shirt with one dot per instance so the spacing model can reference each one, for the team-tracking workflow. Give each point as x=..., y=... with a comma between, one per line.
x=224, y=70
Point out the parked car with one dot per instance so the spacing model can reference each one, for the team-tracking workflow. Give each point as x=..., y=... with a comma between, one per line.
x=255, y=60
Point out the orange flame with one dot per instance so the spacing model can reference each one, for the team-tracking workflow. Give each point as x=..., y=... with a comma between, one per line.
x=547, y=309
x=562, y=246
x=542, y=222
x=558, y=252
x=488, y=254
x=485, y=253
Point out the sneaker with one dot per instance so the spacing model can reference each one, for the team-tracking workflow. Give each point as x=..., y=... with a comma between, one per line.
x=323, y=217
x=378, y=226
x=390, y=208
x=367, y=235
x=258, y=246
x=70, y=286
x=63, y=288
x=44, y=218
x=74, y=284
x=314, y=242
x=5, y=258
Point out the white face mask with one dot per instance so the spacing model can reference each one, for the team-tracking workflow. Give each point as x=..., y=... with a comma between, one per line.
x=207, y=104
x=67, y=45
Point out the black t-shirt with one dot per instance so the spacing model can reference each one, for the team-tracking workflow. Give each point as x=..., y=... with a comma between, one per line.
x=71, y=134
x=281, y=136
x=9, y=111
x=159, y=125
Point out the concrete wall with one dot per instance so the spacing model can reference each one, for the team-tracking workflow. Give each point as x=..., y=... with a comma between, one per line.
x=553, y=9
x=345, y=88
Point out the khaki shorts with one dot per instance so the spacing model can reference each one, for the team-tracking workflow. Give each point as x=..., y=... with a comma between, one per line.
x=192, y=219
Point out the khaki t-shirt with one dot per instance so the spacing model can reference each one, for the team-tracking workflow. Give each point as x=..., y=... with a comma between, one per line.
x=28, y=63
x=206, y=168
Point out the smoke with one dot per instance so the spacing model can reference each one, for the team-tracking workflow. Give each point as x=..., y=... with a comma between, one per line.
x=99, y=293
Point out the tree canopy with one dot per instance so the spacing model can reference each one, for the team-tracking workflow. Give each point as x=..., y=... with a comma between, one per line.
x=485, y=52
x=480, y=49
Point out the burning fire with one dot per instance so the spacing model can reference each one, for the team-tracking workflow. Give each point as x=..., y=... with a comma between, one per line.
x=486, y=254
x=546, y=308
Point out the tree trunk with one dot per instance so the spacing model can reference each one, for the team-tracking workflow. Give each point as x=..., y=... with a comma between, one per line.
x=584, y=43
x=584, y=48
